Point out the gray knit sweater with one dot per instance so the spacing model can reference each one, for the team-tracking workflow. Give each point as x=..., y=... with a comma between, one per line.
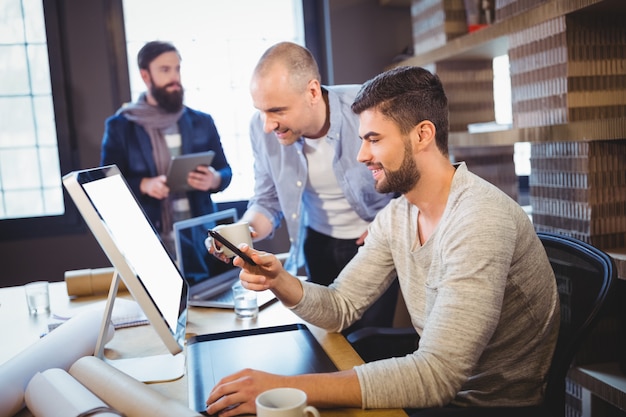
x=480, y=292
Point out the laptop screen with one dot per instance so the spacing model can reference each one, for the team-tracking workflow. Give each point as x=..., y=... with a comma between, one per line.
x=194, y=261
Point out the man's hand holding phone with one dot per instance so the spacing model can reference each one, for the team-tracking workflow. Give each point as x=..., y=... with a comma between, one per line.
x=230, y=246
x=223, y=241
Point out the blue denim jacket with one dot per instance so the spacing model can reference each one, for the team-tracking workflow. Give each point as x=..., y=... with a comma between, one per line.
x=280, y=172
x=127, y=145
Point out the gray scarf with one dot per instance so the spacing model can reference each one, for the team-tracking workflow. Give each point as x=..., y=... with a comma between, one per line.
x=153, y=119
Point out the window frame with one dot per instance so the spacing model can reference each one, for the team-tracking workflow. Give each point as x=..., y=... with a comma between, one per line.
x=70, y=222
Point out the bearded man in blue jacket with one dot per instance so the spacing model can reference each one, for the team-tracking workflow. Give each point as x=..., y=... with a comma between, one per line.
x=142, y=137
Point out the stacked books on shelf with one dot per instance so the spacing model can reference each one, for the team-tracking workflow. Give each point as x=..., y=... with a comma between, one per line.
x=435, y=22
x=579, y=189
x=538, y=66
x=469, y=87
x=568, y=69
x=492, y=163
x=505, y=9
x=571, y=69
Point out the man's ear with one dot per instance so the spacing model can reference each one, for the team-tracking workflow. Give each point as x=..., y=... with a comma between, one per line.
x=315, y=90
x=423, y=133
x=145, y=76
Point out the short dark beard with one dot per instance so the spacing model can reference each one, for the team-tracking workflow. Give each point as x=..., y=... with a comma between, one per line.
x=171, y=102
x=402, y=180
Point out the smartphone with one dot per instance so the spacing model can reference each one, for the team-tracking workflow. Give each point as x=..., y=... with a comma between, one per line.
x=215, y=235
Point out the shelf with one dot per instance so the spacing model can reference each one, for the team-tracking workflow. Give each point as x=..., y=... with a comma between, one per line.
x=492, y=41
x=604, y=380
x=588, y=130
x=619, y=256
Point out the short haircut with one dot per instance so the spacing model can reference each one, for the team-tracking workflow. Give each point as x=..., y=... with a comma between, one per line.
x=298, y=61
x=151, y=50
x=408, y=96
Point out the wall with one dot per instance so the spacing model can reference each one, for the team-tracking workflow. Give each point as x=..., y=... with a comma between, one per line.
x=365, y=37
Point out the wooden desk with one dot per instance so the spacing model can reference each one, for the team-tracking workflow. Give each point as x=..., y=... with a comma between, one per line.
x=21, y=330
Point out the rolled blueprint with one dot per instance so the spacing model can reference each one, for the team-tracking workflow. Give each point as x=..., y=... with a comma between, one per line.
x=124, y=393
x=59, y=349
x=55, y=393
x=85, y=282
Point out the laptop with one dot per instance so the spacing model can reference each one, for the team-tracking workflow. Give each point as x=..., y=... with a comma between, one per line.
x=210, y=280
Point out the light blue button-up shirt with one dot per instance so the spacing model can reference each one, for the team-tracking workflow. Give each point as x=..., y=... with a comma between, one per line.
x=280, y=172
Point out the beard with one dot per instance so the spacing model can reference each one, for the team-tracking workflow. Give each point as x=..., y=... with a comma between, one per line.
x=171, y=102
x=403, y=179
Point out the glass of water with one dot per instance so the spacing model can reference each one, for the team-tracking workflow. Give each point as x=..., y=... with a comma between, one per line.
x=246, y=306
x=37, y=297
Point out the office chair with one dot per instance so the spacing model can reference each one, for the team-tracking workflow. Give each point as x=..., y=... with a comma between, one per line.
x=586, y=278
x=375, y=343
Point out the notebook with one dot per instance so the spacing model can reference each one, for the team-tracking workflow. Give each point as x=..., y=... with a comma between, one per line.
x=284, y=350
x=209, y=279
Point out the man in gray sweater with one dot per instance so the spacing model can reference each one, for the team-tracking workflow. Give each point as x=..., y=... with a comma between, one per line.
x=475, y=277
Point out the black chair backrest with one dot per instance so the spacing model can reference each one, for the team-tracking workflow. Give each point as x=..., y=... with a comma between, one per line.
x=585, y=277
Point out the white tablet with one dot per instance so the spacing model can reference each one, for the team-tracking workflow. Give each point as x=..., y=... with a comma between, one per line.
x=182, y=165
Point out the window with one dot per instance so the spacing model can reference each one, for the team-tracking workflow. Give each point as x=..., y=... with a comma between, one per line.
x=504, y=111
x=34, y=139
x=502, y=90
x=217, y=61
x=30, y=179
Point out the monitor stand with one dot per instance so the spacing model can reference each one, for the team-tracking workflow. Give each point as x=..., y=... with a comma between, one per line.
x=157, y=368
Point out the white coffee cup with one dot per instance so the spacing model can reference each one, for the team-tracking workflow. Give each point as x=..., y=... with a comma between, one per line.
x=284, y=402
x=236, y=233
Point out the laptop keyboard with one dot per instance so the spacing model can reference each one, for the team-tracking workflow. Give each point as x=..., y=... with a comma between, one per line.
x=224, y=297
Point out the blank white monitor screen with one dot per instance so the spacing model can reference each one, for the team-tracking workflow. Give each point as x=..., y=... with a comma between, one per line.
x=134, y=248
x=135, y=239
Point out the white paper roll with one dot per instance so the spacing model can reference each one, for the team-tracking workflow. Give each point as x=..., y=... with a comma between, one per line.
x=124, y=393
x=59, y=349
x=55, y=393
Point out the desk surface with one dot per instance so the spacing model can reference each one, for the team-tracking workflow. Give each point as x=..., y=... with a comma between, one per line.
x=23, y=329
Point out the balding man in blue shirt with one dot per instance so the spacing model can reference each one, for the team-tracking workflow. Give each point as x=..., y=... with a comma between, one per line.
x=305, y=143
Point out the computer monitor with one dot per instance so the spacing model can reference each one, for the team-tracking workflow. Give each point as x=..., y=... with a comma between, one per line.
x=139, y=257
